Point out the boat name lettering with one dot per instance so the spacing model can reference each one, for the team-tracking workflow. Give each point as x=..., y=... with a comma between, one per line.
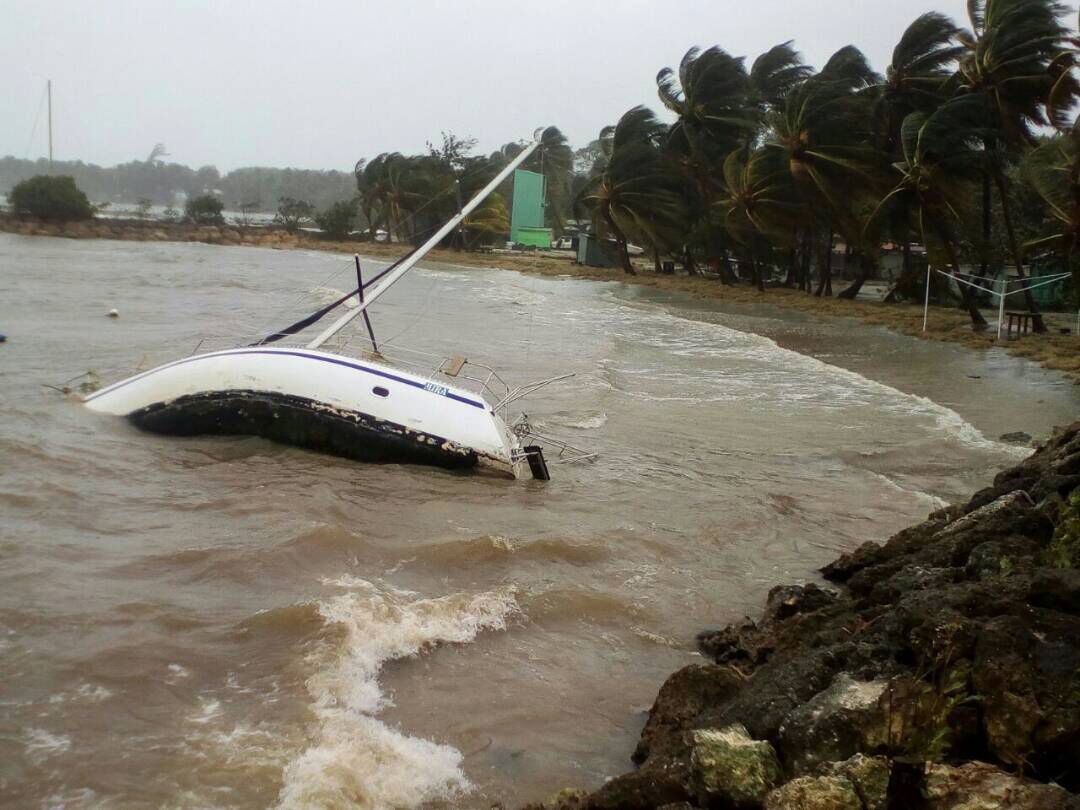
x=435, y=389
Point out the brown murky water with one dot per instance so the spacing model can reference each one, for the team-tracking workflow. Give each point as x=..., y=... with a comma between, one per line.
x=228, y=623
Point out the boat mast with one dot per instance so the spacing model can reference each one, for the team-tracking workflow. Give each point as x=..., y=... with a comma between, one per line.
x=49, y=86
x=407, y=265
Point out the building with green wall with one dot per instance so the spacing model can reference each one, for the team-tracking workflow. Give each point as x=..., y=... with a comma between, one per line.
x=527, y=210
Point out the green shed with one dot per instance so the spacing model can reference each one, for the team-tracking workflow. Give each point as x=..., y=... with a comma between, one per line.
x=527, y=211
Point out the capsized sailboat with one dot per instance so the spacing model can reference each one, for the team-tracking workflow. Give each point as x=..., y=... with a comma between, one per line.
x=368, y=407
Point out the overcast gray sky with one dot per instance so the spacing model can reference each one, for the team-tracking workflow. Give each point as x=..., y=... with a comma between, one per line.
x=320, y=84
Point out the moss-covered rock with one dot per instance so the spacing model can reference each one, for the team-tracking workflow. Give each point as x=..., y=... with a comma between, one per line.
x=868, y=775
x=815, y=793
x=729, y=767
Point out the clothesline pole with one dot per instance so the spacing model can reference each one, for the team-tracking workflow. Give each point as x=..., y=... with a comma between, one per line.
x=926, y=302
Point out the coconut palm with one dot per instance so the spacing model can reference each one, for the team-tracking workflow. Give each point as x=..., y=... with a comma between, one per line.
x=1053, y=171
x=773, y=76
x=915, y=80
x=1009, y=58
x=937, y=174
x=636, y=193
x=822, y=134
x=710, y=97
x=759, y=204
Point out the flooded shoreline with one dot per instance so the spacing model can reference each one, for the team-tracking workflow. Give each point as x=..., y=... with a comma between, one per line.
x=251, y=624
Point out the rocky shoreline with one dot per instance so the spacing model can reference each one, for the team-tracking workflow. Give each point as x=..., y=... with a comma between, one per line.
x=941, y=673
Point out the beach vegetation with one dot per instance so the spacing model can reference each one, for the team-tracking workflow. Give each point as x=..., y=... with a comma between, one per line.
x=336, y=222
x=204, y=210
x=50, y=198
x=293, y=213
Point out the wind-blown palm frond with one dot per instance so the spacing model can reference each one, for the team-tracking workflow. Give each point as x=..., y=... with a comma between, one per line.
x=637, y=193
x=775, y=73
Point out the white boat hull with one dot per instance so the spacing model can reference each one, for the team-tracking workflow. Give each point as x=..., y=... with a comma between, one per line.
x=360, y=409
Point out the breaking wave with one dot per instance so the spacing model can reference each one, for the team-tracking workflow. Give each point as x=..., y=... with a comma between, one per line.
x=355, y=759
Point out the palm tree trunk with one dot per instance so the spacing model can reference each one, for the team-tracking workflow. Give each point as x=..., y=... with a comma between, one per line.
x=1036, y=320
x=866, y=264
x=903, y=284
x=793, y=263
x=756, y=269
x=966, y=294
x=620, y=239
x=688, y=260
x=984, y=266
x=825, y=270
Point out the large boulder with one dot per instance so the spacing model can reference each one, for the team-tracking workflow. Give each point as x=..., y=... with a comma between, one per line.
x=815, y=793
x=847, y=718
x=977, y=786
x=730, y=769
x=868, y=775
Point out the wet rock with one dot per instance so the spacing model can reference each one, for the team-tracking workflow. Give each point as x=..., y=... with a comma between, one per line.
x=998, y=558
x=815, y=793
x=1016, y=437
x=785, y=601
x=977, y=786
x=868, y=775
x=736, y=642
x=839, y=722
x=1057, y=589
x=730, y=769
x=682, y=698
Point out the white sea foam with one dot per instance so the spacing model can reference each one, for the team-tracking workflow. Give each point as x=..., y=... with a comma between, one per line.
x=356, y=760
x=41, y=744
x=824, y=384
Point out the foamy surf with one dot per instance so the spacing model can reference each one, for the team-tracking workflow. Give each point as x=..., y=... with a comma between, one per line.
x=845, y=387
x=354, y=759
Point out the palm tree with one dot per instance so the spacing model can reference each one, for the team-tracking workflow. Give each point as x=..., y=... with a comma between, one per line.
x=1053, y=171
x=1009, y=58
x=915, y=80
x=709, y=96
x=773, y=76
x=822, y=133
x=759, y=204
x=937, y=174
x=636, y=193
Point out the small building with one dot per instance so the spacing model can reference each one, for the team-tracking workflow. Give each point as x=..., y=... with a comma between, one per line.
x=527, y=211
x=594, y=252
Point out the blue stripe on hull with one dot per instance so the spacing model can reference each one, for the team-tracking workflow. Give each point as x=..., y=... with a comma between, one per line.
x=334, y=360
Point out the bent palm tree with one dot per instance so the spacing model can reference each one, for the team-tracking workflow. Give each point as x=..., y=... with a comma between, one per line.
x=1053, y=171
x=1009, y=58
x=941, y=163
x=758, y=203
x=635, y=193
x=709, y=96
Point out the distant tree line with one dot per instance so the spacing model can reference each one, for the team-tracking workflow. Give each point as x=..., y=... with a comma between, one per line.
x=256, y=188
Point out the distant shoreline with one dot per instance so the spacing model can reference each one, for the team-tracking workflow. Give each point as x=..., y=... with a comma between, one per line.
x=1053, y=351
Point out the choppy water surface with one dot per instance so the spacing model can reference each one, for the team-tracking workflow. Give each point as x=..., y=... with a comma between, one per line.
x=230, y=623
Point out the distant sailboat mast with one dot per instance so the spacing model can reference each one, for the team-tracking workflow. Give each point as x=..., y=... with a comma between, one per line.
x=48, y=84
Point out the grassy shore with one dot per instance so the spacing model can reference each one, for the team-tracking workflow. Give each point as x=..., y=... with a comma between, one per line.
x=1053, y=351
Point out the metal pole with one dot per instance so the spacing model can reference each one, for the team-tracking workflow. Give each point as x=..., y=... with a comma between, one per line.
x=440, y=234
x=49, y=85
x=1001, y=304
x=926, y=303
x=360, y=295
